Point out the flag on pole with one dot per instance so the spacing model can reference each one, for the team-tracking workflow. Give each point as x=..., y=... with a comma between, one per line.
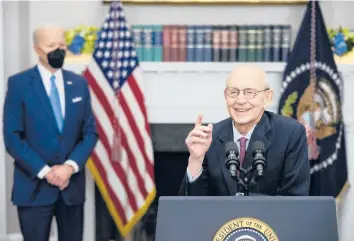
x=122, y=162
x=311, y=93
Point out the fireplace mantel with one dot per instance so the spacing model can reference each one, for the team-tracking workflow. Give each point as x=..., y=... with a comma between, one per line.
x=177, y=92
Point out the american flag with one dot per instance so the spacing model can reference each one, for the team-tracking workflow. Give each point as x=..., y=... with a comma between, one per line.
x=126, y=181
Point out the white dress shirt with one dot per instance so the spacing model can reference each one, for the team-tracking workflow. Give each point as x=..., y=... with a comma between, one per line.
x=237, y=136
x=59, y=81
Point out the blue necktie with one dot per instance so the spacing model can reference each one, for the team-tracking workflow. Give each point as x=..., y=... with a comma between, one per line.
x=55, y=101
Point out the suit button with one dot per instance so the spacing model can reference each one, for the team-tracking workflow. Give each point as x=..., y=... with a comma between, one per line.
x=57, y=157
x=60, y=138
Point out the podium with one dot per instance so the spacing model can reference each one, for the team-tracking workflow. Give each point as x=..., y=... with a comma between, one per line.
x=246, y=218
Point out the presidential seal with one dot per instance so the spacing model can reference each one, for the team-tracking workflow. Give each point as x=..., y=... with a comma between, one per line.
x=245, y=229
x=318, y=107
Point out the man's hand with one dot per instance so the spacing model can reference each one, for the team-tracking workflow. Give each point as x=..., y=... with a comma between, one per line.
x=50, y=176
x=198, y=142
x=60, y=175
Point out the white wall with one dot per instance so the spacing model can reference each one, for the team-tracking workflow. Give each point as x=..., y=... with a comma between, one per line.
x=3, y=220
x=72, y=13
x=16, y=54
x=21, y=18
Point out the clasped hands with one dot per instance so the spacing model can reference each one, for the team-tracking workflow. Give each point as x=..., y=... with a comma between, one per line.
x=60, y=175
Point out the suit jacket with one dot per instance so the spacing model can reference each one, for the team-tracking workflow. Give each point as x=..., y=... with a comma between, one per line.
x=288, y=167
x=33, y=139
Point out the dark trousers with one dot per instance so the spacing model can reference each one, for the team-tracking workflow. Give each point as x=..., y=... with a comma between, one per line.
x=35, y=222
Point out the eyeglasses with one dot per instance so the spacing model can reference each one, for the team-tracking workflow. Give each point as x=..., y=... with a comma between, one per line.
x=248, y=93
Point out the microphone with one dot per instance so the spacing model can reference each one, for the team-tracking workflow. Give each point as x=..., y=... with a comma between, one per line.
x=259, y=162
x=232, y=162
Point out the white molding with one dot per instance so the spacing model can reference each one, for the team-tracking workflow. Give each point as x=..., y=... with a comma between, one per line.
x=193, y=67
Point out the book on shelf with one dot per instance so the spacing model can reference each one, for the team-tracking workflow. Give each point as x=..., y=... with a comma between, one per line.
x=212, y=43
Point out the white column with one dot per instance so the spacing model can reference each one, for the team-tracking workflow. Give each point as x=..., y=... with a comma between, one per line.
x=90, y=214
x=3, y=227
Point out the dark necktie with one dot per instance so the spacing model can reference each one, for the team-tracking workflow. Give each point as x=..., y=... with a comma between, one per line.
x=242, y=141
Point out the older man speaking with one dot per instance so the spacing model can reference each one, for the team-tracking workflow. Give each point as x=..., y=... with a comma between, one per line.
x=247, y=95
x=50, y=131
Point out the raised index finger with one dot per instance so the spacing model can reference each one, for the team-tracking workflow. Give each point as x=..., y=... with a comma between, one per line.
x=199, y=120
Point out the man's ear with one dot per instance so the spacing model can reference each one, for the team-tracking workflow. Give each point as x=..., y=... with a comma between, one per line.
x=37, y=49
x=268, y=98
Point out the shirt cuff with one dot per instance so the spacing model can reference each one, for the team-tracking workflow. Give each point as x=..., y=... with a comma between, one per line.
x=41, y=174
x=73, y=164
x=192, y=179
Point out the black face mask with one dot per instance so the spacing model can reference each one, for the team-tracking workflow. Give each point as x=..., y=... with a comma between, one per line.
x=56, y=58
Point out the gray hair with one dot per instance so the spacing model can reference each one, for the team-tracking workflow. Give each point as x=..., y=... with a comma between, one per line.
x=35, y=31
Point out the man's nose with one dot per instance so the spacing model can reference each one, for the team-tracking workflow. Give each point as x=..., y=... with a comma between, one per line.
x=241, y=99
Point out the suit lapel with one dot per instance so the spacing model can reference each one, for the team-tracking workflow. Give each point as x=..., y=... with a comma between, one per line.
x=259, y=134
x=69, y=94
x=223, y=138
x=39, y=90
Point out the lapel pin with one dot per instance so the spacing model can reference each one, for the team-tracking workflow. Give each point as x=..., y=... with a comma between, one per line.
x=69, y=82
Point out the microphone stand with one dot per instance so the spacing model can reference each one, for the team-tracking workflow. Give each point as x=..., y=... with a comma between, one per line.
x=245, y=182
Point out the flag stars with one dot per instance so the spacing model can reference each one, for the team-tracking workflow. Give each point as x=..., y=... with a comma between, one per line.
x=115, y=51
x=115, y=84
x=110, y=74
x=109, y=45
x=107, y=54
x=99, y=54
x=104, y=64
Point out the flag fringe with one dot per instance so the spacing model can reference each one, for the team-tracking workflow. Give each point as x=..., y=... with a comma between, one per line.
x=127, y=228
x=342, y=192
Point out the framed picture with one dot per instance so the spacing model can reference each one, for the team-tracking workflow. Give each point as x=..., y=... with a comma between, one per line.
x=214, y=2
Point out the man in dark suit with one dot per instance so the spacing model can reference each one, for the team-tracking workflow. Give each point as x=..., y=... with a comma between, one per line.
x=247, y=96
x=50, y=131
